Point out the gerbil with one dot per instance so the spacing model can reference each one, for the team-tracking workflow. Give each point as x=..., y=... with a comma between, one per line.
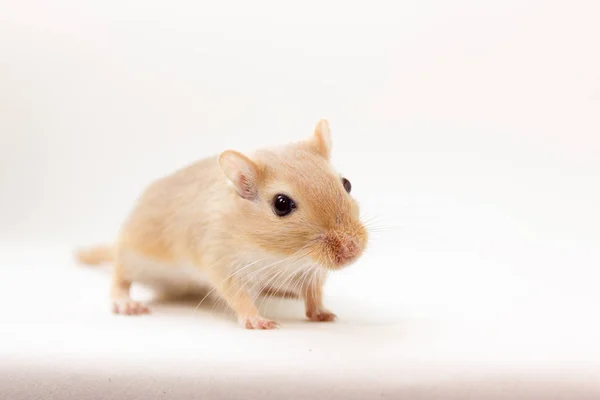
x=276, y=221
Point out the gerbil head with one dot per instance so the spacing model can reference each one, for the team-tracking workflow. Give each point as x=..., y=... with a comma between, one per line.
x=292, y=203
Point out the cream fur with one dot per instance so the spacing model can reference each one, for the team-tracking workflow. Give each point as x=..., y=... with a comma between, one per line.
x=212, y=224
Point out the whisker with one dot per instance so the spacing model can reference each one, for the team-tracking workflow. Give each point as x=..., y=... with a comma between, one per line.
x=292, y=276
x=300, y=282
x=246, y=280
x=220, y=283
x=238, y=272
x=279, y=273
x=286, y=280
x=265, y=285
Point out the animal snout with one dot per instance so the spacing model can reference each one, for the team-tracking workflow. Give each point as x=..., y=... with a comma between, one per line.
x=348, y=249
x=342, y=248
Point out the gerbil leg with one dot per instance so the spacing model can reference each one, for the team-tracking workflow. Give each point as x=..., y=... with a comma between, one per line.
x=119, y=295
x=238, y=298
x=312, y=292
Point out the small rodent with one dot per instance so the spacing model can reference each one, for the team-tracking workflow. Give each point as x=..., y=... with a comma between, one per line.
x=273, y=222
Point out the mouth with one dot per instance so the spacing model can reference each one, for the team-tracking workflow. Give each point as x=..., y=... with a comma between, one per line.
x=340, y=262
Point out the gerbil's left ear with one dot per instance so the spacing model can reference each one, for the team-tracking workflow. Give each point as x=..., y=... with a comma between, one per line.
x=242, y=172
x=321, y=139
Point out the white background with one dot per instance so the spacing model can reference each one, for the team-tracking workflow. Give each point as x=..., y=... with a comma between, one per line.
x=470, y=129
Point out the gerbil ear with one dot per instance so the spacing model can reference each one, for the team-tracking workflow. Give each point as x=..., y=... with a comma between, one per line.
x=321, y=139
x=241, y=171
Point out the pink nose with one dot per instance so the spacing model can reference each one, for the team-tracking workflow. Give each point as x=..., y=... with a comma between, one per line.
x=348, y=249
x=344, y=248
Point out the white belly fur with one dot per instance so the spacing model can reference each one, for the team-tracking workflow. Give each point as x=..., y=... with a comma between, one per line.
x=186, y=277
x=180, y=278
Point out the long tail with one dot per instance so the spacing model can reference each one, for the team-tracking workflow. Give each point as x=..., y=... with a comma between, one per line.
x=95, y=255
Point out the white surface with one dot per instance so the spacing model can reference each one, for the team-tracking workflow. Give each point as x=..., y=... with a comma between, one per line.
x=60, y=341
x=469, y=129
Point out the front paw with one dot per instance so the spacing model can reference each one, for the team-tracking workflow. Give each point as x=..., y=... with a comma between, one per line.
x=129, y=307
x=258, y=322
x=321, y=315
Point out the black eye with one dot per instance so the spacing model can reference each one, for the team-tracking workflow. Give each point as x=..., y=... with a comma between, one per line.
x=347, y=185
x=283, y=205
